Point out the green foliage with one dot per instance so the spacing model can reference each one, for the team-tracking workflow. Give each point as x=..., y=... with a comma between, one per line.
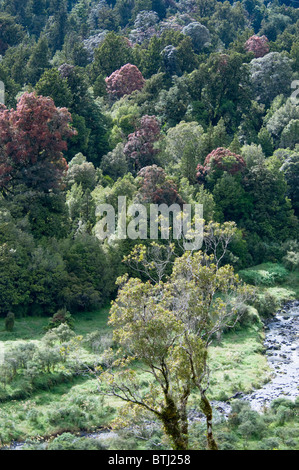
x=66, y=441
x=267, y=275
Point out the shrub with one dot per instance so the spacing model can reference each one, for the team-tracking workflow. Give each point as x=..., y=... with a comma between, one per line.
x=68, y=441
x=269, y=276
x=269, y=443
x=266, y=304
x=60, y=317
x=10, y=321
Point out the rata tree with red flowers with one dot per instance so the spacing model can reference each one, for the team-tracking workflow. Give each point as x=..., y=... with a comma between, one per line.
x=259, y=45
x=124, y=81
x=32, y=140
x=140, y=149
x=217, y=162
x=156, y=188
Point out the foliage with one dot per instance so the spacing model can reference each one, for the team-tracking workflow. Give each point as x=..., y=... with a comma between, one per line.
x=218, y=161
x=124, y=81
x=127, y=98
x=156, y=188
x=267, y=85
x=62, y=316
x=139, y=149
x=32, y=141
x=259, y=45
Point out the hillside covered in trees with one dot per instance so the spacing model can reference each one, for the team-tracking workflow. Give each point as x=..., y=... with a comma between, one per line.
x=160, y=102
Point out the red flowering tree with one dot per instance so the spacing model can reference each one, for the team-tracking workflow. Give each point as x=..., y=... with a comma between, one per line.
x=140, y=147
x=32, y=139
x=259, y=45
x=124, y=81
x=156, y=188
x=218, y=161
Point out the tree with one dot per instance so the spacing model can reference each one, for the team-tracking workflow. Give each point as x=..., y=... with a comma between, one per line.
x=91, y=122
x=10, y=321
x=140, y=149
x=114, y=164
x=124, y=81
x=170, y=61
x=172, y=104
x=150, y=58
x=144, y=26
x=279, y=121
x=167, y=328
x=81, y=172
x=290, y=169
x=183, y=148
x=219, y=161
x=53, y=85
x=156, y=188
x=259, y=45
x=113, y=52
x=39, y=60
x=11, y=33
x=32, y=141
x=266, y=84
x=272, y=216
x=253, y=155
x=222, y=85
x=199, y=35
x=89, y=280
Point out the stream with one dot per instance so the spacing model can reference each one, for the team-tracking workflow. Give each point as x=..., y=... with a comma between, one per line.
x=281, y=347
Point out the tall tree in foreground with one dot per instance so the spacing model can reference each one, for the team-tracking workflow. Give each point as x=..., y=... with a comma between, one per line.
x=164, y=330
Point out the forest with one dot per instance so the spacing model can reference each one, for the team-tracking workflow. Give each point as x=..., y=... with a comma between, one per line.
x=130, y=343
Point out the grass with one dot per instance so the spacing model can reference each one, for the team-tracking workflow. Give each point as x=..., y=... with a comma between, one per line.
x=237, y=363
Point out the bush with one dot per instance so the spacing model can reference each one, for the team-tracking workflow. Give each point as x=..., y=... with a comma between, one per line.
x=10, y=321
x=269, y=443
x=266, y=304
x=269, y=276
x=60, y=317
x=68, y=441
x=248, y=316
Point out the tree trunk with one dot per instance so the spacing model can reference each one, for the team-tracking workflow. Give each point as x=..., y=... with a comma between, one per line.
x=207, y=410
x=177, y=431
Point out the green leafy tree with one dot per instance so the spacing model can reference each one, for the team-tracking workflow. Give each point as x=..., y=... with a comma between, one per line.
x=39, y=60
x=11, y=33
x=184, y=148
x=167, y=328
x=111, y=55
x=53, y=85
